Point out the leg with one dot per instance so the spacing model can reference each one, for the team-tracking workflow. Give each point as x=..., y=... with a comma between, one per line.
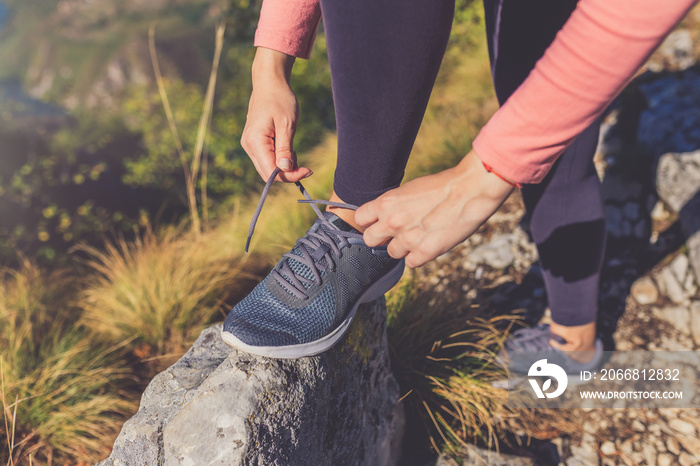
x=384, y=57
x=565, y=210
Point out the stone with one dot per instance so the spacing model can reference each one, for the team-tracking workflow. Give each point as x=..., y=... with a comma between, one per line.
x=686, y=460
x=691, y=444
x=660, y=446
x=649, y=453
x=670, y=286
x=678, y=184
x=673, y=446
x=677, y=316
x=664, y=459
x=644, y=291
x=679, y=267
x=637, y=426
x=586, y=452
x=677, y=50
x=659, y=212
x=217, y=405
x=608, y=448
x=690, y=221
x=497, y=253
x=682, y=426
x=476, y=455
x=695, y=321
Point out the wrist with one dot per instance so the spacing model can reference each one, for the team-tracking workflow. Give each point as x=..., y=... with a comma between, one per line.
x=271, y=65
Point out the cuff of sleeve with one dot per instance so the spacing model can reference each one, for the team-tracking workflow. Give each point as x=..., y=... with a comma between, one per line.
x=505, y=166
x=296, y=47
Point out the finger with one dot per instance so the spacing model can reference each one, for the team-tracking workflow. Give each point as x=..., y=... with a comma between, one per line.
x=376, y=235
x=285, y=158
x=415, y=259
x=397, y=248
x=261, y=151
x=367, y=214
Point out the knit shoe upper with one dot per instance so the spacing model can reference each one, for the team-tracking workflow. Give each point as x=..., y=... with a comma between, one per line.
x=307, y=302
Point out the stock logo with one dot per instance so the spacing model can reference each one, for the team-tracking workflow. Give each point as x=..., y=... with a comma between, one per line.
x=542, y=368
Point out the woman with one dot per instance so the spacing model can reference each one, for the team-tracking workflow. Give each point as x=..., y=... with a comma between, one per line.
x=384, y=56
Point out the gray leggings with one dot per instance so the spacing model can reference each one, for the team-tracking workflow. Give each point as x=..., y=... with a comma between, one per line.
x=384, y=57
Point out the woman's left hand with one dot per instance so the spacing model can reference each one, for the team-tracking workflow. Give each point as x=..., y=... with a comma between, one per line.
x=430, y=215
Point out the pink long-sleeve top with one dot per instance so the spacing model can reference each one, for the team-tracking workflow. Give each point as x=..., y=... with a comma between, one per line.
x=593, y=57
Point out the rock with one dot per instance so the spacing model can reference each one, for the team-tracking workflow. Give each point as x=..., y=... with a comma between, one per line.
x=476, y=455
x=686, y=460
x=678, y=183
x=695, y=321
x=679, y=317
x=691, y=444
x=586, y=452
x=217, y=405
x=682, y=426
x=690, y=220
x=659, y=212
x=670, y=286
x=664, y=459
x=497, y=253
x=644, y=291
x=679, y=267
x=608, y=448
x=637, y=426
x=649, y=453
x=673, y=446
x=677, y=50
x=660, y=446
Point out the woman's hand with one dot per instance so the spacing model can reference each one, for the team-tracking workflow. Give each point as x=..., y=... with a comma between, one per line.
x=430, y=215
x=273, y=111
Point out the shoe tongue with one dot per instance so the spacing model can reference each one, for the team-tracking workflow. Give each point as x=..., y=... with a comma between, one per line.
x=338, y=222
x=302, y=269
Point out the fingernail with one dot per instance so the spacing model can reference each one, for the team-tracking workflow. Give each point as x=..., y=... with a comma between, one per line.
x=285, y=164
x=308, y=175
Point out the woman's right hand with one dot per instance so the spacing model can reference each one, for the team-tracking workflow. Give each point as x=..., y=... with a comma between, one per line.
x=273, y=111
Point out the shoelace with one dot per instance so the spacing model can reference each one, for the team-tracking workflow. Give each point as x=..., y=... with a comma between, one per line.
x=313, y=247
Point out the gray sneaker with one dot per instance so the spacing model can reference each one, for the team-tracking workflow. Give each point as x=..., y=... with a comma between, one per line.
x=308, y=301
x=527, y=345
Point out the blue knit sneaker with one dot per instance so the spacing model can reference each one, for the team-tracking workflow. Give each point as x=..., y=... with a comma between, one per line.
x=308, y=301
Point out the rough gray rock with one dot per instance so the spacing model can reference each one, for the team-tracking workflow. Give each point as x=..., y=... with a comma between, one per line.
x=219, y=406
x=678, y=184
x=479, y=456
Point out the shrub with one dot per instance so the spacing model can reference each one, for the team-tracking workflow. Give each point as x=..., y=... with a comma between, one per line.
x=61, y=392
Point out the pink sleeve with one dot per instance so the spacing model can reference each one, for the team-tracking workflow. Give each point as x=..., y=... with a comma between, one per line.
x=288, y=26
x=591, y=60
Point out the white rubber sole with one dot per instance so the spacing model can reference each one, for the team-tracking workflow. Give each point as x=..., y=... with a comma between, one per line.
x=313, y=348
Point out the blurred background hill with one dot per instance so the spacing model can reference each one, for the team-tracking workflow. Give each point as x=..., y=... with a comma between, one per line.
x=85, y=147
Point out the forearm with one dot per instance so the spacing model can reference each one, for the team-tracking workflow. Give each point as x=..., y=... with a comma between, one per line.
x=592, y=58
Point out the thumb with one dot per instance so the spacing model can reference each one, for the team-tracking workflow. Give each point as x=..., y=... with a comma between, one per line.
x=284, y=153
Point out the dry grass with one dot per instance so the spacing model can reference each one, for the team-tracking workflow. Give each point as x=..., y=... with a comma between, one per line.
x=444, y=362
x=59, y=389
x=161, y=289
